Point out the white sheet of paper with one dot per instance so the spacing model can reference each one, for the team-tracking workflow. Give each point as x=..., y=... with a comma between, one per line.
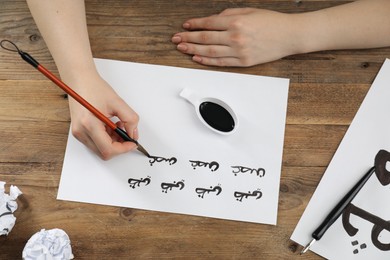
x=368, y=133
x=169, y=127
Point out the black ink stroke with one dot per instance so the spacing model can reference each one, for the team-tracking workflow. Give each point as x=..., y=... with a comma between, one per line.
x=9, y=212
x=5, y=213
x=356, y=244
x=240, y=195
x=136, y=182
x=202, y=191
x=242, y=169
x=213, y=166
x=383, y=175
x=154, y=159
x=169, y=186
x=379, y=225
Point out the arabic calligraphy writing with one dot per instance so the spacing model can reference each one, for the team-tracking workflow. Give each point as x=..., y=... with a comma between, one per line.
x=213, y=166
x=202, y=191
x=379, y=225
x=383, y=175
x=356, y=244
x=241, y=169
x=169, y=186
x=136, y=182
x=154, y=159
x=240, y=195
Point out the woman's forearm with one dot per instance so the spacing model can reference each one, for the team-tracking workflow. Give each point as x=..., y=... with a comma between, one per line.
x=62, y=24
x=360, y=24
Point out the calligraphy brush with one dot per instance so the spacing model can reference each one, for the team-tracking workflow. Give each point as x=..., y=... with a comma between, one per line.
x=25, y=56
x=338, y=210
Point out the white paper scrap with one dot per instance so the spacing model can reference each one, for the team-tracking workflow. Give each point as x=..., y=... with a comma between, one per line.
x=8, y=205
x=53, y=244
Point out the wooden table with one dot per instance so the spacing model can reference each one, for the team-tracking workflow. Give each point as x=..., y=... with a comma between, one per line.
x=325, y=92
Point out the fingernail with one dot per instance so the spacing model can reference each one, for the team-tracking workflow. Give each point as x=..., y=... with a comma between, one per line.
x=176, y=39
x=182, y=47
x=197, y=58
x=186, y=26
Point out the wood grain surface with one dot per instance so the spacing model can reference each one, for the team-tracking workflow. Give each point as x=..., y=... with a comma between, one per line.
x=326, y=90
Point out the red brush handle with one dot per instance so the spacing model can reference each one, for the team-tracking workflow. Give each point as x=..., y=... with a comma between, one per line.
x=27, y=57
x=77, y=97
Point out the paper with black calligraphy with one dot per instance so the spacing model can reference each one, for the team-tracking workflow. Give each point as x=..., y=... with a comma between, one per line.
x=193, y=170
x=363, y=230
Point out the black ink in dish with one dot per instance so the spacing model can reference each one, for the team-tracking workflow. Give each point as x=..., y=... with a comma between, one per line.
x=216, y=116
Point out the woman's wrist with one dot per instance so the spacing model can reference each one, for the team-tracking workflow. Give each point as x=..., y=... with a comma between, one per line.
x=76, y=74
x=304, y=34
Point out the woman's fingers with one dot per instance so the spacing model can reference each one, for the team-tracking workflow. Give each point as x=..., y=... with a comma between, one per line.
x=220, y=62
x=214, y=22
x=206, y=50
x=127, y=116
x=201, y=37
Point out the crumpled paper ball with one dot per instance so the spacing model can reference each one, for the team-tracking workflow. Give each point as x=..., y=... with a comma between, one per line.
x=53, y=244
x=7, y=207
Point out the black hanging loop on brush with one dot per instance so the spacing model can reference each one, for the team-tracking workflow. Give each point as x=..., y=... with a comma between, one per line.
x=25, y=56
x=15, y=49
